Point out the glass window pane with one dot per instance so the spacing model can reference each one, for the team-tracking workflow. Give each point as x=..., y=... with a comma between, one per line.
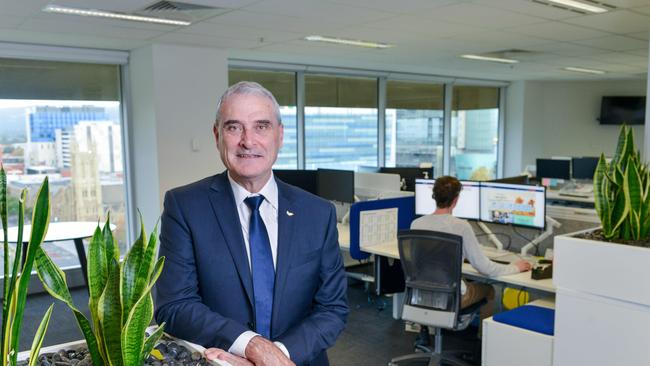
x=340, y=122
x=474, y=132
x=283, y=87
x=414, y=124
x=67, y=127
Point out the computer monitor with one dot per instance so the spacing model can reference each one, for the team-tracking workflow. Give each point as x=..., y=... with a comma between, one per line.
x=584, y=167
x=305, y=179
x=515, y=204
x=409, y=175
x=336, y=185
x=519, y=179
x=468, y=200
x=553, y=168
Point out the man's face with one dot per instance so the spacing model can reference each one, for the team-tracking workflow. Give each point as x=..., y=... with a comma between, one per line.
x=249, y=137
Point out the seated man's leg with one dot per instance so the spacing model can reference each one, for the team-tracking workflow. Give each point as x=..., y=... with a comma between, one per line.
x=476, y=292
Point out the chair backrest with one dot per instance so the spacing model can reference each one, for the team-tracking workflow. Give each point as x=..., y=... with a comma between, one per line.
x=432, y=263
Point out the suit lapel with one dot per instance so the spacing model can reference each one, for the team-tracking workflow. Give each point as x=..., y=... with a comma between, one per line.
x=286, y=225
x=223, y=205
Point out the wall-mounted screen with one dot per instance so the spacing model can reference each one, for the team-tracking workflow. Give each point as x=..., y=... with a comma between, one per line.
x=619, y=110
x=515, y=204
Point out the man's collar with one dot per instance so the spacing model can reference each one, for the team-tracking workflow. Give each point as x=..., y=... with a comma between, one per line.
x=269, y=191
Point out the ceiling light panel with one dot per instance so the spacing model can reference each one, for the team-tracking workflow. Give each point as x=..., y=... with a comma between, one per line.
x=112, y=15
x=587, y=6
x=584, y=70
x=348, y=42
x=491, y=59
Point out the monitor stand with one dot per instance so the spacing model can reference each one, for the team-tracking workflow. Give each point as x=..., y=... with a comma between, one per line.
x=550, y=224
x=493, y=238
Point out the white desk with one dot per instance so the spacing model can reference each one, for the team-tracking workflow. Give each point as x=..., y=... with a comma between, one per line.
x=390, y=250
x=61, y=231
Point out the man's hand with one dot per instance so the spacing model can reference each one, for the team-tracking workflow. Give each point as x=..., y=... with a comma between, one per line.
x=263, y=352
x=219, y=354
x=523, y=265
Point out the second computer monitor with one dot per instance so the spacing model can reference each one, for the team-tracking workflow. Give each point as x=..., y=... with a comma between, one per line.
x=513, y=204
x=336, y=185
x=468, y=200
x=305, y=179
x=584, y=168
x=553, y=168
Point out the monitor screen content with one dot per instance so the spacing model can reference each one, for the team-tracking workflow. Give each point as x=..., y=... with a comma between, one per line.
x=466, y=208
x=515, y=204
x=336, y=185
x=553, y=168
x=305, y=179
x=409, y=175
x=584, y=168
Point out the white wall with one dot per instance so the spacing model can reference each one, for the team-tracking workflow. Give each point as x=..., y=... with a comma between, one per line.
x=174, y=92
x=559, y=118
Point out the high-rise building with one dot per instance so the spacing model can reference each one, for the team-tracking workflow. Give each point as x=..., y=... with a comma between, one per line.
x=42, y=122
x=104, y=137
x=86, y=188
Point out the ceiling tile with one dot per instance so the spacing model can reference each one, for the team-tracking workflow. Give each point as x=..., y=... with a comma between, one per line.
x=87, y=29
x=11, y=21
x=239, y=32
x=423, y=25
x=557, y=31
x=502, y=40
x=643, y=52
x=619, y=22
x=639, y=35
x=613, y=43
x=565, y=49
x=644, y=10
x=277, y=22
x=68, y=39
x=479, y=16
x=627, y=3
x=316, y=9
x=24, y=8
x=203, y=40
x=620, y=57
x=530, y=8
x=399, y=7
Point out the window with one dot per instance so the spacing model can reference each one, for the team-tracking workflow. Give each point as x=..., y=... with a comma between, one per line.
x=414, y=124
x=63, y=120
x=283, y=87
x=340, y=122
x=474, y=132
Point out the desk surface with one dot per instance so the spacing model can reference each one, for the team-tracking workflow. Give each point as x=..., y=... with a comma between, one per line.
x=390, y=250
x=59, y=231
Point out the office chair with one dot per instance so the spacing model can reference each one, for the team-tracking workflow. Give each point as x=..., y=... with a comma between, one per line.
x=432, y=263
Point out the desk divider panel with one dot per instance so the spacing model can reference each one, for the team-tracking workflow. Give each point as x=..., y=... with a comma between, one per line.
x=405, y=215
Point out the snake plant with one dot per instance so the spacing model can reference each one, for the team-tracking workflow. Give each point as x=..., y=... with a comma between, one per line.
x=622, y=191
x=16, y=281
x=121, y=306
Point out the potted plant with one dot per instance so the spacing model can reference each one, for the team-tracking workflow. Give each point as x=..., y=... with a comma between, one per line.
x=120, y=302
x=602, y=275
x=16, y=281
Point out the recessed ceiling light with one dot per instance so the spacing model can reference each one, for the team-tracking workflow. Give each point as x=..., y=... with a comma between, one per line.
x=580, y=5
x=112, y=15
x=492, y=59
x=349, y=42
x=583, y=70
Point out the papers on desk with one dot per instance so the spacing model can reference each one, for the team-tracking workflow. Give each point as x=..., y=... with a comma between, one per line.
x=377, y=227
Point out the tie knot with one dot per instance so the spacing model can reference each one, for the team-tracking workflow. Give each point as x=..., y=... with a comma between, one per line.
x=254, y=202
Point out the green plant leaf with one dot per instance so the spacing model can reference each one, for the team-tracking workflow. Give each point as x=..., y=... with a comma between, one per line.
x=140, y=317
x=40, y=221
x=111, y=247
x=38, y=337
x=151, y=341
x=110, y=315
x=632, y=188
x=619, y=213
x=601, y=201
x=130, y=269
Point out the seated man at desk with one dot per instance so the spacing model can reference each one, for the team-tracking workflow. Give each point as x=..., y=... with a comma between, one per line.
x=446, y=191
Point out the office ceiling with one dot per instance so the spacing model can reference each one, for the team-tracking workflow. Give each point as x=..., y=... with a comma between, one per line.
x=428, y=35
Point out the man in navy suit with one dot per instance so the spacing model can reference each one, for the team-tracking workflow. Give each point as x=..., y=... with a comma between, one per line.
x=253, y=268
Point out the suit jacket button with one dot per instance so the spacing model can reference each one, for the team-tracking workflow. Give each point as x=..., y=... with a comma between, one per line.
x=251, y=326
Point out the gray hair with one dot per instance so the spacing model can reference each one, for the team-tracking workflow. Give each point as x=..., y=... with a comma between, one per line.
x=247, y=88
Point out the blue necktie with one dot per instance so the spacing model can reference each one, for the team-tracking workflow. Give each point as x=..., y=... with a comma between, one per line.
x=261, y=267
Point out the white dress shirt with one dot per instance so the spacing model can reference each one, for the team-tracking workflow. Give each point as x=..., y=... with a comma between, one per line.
x=269, y=213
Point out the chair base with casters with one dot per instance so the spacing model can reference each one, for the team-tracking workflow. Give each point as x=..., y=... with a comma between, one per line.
x=436, y=356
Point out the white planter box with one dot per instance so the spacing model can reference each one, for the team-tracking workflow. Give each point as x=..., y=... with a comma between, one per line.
x=22, y=356
x=602, y=311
